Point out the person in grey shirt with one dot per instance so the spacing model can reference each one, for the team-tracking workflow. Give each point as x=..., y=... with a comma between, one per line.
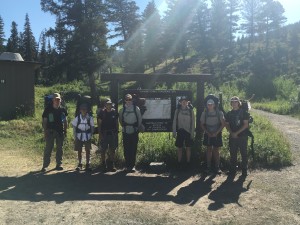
x=183, y=130
x=130, y=119
x=212, y=122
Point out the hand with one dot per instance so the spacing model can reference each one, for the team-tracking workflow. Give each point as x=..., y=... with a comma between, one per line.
x=234, y=135
x=45, y=134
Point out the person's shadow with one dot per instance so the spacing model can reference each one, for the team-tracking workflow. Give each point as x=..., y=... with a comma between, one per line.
x=193, y=192
x=71, y=186
x=228, y=192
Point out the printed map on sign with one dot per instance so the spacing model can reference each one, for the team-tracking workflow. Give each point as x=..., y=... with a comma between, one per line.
x=157, y=109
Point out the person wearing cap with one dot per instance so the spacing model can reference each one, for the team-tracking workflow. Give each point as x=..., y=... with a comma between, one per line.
x=212, y=122
x=107, y=120
x=130, y=119
x=183, y=130
x=237, y=123
x=83, y=129
x=55, y=128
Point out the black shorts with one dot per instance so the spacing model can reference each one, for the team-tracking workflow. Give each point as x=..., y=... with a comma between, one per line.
x=213, y=141
x=183, y=137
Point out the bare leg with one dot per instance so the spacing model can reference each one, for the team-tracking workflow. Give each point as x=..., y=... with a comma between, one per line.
x=188, y=154
x=179, y=154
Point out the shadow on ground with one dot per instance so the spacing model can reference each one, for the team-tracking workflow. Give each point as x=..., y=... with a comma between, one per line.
x=73, y=186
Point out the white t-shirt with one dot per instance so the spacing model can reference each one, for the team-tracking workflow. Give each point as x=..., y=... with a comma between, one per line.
x=83, y=127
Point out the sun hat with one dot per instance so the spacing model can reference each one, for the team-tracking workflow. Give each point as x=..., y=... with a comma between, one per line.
x=210, y=102
x=56, y=96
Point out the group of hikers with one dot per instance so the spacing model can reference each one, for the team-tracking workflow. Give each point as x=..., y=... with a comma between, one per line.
x=212, y=122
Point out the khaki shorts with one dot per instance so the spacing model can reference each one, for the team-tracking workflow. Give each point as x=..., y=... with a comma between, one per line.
x=79, y=145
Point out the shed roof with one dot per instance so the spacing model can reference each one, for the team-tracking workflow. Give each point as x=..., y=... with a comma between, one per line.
x=10, y=56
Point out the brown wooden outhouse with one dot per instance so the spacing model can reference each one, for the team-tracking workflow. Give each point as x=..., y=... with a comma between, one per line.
x=16, y=86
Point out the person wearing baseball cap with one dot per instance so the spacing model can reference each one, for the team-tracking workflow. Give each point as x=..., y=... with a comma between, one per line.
x=184, y=130
x=108, y=126
x=130, y=119
x=237, y=123
x=212, y=122
x=55, y=128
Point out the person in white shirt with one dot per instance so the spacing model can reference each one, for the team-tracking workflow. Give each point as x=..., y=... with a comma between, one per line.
x=83, y=128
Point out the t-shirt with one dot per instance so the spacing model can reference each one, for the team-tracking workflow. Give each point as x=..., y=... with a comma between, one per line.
x=211, y=120
x=83, y=131
x=131, y=119
x=235, y=119
x=184, y=119
x=55, y=118
x=108, y=120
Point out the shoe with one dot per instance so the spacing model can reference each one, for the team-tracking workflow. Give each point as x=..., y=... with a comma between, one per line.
x=44, y=169
x=79, y=167
x=217, y=171
x=130, y=170
x=88, y=168
x=208, y=170
x=59, y=167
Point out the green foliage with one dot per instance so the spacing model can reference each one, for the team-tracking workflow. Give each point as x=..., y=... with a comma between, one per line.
x=286, y=89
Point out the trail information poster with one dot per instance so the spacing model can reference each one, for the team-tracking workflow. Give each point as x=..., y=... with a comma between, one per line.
x=157, y=107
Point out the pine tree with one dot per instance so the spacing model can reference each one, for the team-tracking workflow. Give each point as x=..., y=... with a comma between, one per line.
x=13, y=42
x=81, y=35
x=152, y=33
x=124, y=17
x=251, y=10
x=2, y=35
x=29, y=45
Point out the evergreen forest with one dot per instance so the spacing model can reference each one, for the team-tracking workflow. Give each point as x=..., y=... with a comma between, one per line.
x=245, y=42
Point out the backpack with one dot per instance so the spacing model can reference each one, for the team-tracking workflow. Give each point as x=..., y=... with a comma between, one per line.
x=217, y=105
x=135, y=113
x=86, y=99
x=190, y=108
x=48, y=100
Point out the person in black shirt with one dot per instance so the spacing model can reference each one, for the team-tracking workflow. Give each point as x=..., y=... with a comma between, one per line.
x=55, y=128
x=108, y=129
x=237, y=123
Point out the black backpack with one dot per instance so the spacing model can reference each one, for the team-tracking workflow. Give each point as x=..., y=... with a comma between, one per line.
x=86, y=99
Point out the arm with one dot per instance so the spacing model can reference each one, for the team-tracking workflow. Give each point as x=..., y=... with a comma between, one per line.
x=174, y=125
x=65, y=125
x=244, y=127
x=99, y=123
x=44, y=124
x=193, y=125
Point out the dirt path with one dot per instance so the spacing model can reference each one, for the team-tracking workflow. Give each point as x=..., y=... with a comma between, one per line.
x=265, y=197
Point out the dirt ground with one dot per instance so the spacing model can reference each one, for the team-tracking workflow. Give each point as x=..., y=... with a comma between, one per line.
x=67, y=197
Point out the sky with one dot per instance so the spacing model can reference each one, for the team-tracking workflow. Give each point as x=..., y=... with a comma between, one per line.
x=15, y=10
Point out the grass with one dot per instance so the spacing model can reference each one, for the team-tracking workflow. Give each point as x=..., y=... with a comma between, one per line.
x=271, y=148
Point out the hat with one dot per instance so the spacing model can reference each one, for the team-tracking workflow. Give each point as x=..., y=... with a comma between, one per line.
x=128, y=96
x=235, y=99
x=210, y=102
x=56, y=96
x=83, y=106
x=183, y=98
x=108, y=101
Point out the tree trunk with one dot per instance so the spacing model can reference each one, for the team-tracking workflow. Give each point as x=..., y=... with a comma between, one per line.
x=93, y=87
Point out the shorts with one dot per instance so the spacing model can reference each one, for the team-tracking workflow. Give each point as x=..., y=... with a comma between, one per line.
x=183, y=137
x=79, y=144
x=109, y=142
x=213, y=141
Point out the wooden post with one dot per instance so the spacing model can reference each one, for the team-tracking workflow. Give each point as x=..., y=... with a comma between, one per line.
x=200, y=108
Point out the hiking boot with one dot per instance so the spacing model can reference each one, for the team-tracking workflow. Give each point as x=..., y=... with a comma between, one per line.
x=44, y=169
x=79, y=167
x=59, y=167
x=217, y=171
x=88, y=168
x=208, y=170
